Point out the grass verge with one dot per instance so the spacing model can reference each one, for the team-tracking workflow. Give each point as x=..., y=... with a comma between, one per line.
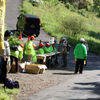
x=8, y=94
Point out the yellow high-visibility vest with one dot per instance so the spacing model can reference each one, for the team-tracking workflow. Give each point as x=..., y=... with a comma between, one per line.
x=2, y=22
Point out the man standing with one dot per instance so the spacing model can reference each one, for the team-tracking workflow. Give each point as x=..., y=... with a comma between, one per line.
x=64, y=48
x=80, y=54
x=6, y=56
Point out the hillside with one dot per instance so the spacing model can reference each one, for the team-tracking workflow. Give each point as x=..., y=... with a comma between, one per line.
x=58, y=20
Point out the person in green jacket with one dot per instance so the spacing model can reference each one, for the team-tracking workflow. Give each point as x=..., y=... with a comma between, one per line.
x=16, y=54
x=40, y=51
x=41, y=48
x=80, y=54
x=29, y=51
x=48, y=48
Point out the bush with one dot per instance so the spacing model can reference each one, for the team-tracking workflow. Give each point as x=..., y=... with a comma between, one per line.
x=73, y=25
x=70, y=7
x=90, y=8
x=82, y=12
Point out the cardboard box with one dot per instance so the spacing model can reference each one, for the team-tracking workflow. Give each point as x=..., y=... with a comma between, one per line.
x=13, y=68
x=35, y=68
x=42, y=71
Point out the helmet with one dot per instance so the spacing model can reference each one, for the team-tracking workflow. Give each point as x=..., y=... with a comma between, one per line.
x=82, y=40
x=22, y=46
x=8, y=33
x=48, y=44
x=41, y=45
x=32, y=37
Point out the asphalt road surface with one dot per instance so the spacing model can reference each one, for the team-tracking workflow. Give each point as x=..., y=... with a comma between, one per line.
x=12, y=12
x=84, y=86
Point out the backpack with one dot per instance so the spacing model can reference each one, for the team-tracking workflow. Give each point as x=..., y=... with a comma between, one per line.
x=14, y=48
x=11, y=84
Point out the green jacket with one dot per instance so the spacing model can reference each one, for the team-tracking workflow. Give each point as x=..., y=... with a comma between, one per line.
x=34, y=58
x=14, y=53
x=29, y=48
x=18, y=53
x=80, y=51
x=40, y=51
x=48, y=49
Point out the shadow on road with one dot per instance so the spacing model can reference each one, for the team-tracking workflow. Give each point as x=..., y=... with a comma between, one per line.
x=93, y=62
x=63, y=73
x=87, y=99
x=93, y=87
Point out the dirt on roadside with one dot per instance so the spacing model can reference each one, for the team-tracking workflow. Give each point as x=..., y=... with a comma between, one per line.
x=33, y=83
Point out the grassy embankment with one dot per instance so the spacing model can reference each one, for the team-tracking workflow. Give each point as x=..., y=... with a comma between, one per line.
x=57, y=20
x=8, y=94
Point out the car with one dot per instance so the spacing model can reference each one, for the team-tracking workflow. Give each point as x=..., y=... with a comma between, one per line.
x=28, y=24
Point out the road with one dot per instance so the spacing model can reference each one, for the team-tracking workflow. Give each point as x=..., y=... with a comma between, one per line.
x=12, y=11
x=84, y=86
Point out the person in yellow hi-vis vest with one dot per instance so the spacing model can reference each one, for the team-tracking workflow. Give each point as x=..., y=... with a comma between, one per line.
x=16, y=54
x=29, y=51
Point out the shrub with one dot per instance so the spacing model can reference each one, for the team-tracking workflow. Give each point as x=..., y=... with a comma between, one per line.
x=73, y=25
x=82, y=12
x=70, y=7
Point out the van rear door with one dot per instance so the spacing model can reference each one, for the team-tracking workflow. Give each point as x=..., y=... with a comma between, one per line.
x=32, y=25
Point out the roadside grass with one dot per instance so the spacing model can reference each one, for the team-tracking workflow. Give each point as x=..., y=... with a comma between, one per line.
x=8, y=94
x=57, y=20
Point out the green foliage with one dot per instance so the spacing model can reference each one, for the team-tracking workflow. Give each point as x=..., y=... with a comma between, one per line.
x=51, y=3
x=70, y=7
x=90, y=2
x=97, y=2
x=96, y=7
x=73, y=25
x=90, y=8
x=57, y=20
x=5, y=95
x=82, y=12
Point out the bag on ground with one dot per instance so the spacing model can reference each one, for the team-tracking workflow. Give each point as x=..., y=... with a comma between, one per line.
x=11, y=84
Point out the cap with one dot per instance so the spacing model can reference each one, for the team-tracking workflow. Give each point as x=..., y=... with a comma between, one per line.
x=8, y=33
x=82, y=40
x=41, y=45
x=32, y=37
x=48, y=44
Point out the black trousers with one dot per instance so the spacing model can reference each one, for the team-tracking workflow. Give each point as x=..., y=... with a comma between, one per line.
x=16, y=62
x=3, y=70
x=79, y=65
